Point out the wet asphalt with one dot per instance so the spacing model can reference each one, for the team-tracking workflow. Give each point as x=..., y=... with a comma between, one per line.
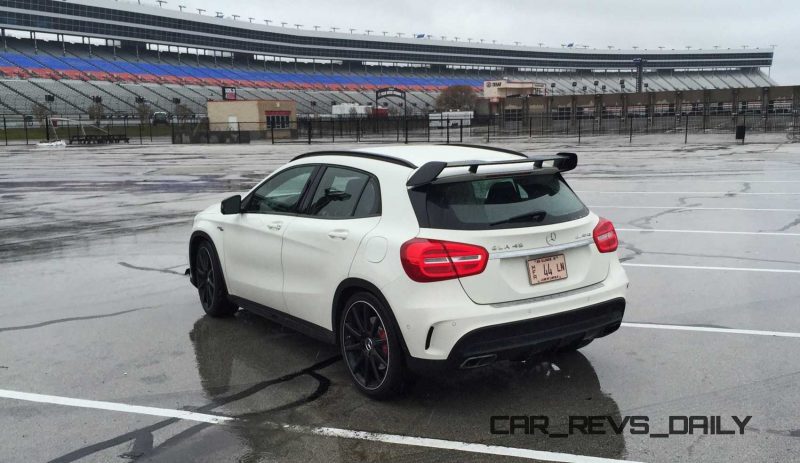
x=94, y=304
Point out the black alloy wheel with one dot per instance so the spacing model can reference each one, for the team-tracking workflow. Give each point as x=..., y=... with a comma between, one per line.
x=371, y=346
x=205, y=277
x=211, y=283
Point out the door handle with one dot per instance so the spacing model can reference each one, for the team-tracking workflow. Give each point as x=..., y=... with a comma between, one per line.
x=338, y=234
x=275, y=226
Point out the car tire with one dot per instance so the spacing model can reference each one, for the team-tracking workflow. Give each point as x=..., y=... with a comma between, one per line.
x=211, y=283
x=371, y=347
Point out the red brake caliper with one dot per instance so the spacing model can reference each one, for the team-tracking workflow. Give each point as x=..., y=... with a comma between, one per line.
x=384, y=344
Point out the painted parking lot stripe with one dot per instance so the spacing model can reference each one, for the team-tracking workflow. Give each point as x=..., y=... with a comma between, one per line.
x=650, y=181
x=701, y=267
x=114, y=406
x=450, y=445
x=698, y=208
x=731, y=193
x=313, y=430
x=708, y=329
x=709, y=232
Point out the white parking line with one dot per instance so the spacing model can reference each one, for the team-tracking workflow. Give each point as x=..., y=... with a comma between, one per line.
x=699, y=267
x=451, y=445
x=709, y=232
x=732, y=193
x=693, y=208
x=114, y=406
x=650, y=181
x=783, y=334
x=319, y=431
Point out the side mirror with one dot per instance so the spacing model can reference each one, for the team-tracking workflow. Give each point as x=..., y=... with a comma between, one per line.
x=232, y=205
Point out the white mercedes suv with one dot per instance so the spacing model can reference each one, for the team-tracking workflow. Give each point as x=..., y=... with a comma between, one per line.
x=415, y=257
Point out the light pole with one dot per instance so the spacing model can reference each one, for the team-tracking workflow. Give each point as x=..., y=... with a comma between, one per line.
x=298, y=26
x=334, y=29
x=161, y=2
x=352, y=30
x=251, y=20
x=316, y=28
x=200, y=11
x=181, y=7
x=235, y=16
x=368, y=31
x=220, y=14
x=267, y=21
x=284, y=23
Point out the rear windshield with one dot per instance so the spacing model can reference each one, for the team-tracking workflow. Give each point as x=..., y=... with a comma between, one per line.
x=502, y=202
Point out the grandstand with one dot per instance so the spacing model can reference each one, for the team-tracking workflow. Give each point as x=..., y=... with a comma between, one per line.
x=82, y=49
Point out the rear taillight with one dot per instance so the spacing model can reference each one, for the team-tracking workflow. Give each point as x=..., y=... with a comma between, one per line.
x=427, y=260
x=605, y=237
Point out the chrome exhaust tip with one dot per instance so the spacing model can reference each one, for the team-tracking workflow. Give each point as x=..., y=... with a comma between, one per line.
x=478, y=361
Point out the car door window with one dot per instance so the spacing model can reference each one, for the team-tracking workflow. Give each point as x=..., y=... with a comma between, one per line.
x=280, y=193
x=339, y=193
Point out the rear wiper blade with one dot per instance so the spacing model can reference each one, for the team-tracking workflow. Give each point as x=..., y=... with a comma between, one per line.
x=538, y=216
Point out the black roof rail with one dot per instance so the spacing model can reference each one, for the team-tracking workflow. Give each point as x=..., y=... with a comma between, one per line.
x=485, y=147
x=359, y=154
x=430, y=171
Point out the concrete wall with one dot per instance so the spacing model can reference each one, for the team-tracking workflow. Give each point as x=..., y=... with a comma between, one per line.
x=247, y=115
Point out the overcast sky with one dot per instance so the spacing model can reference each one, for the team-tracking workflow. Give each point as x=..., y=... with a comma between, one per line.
x=597, y=23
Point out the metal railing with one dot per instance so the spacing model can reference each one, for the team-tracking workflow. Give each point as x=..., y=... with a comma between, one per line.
x=419, y=129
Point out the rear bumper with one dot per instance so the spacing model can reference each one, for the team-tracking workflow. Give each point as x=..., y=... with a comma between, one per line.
x=520, y=339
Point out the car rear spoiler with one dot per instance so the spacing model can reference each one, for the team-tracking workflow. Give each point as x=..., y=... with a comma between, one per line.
x=430, y=171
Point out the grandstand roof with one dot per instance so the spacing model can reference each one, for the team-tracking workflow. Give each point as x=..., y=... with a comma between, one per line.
x=149, y=24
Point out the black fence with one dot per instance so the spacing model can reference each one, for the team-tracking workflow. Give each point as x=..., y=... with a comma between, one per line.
x=487, y=128
x=28, y=130
x=21, y=130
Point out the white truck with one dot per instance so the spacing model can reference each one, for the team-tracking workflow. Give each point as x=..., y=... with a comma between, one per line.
x=451, y=118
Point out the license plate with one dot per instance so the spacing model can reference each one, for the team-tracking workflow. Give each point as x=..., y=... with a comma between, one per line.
x=546, y=269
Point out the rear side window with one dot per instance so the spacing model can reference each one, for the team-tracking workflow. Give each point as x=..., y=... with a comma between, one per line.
x=345, y=193
x=505, y=202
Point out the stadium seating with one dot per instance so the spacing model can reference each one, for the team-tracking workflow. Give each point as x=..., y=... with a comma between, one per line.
x=75, y=73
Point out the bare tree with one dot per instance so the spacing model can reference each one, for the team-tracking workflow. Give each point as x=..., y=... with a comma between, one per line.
x=96, y=112
x=40, y=113
x=143, y=111
x=456, y=98
x=182, y=112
